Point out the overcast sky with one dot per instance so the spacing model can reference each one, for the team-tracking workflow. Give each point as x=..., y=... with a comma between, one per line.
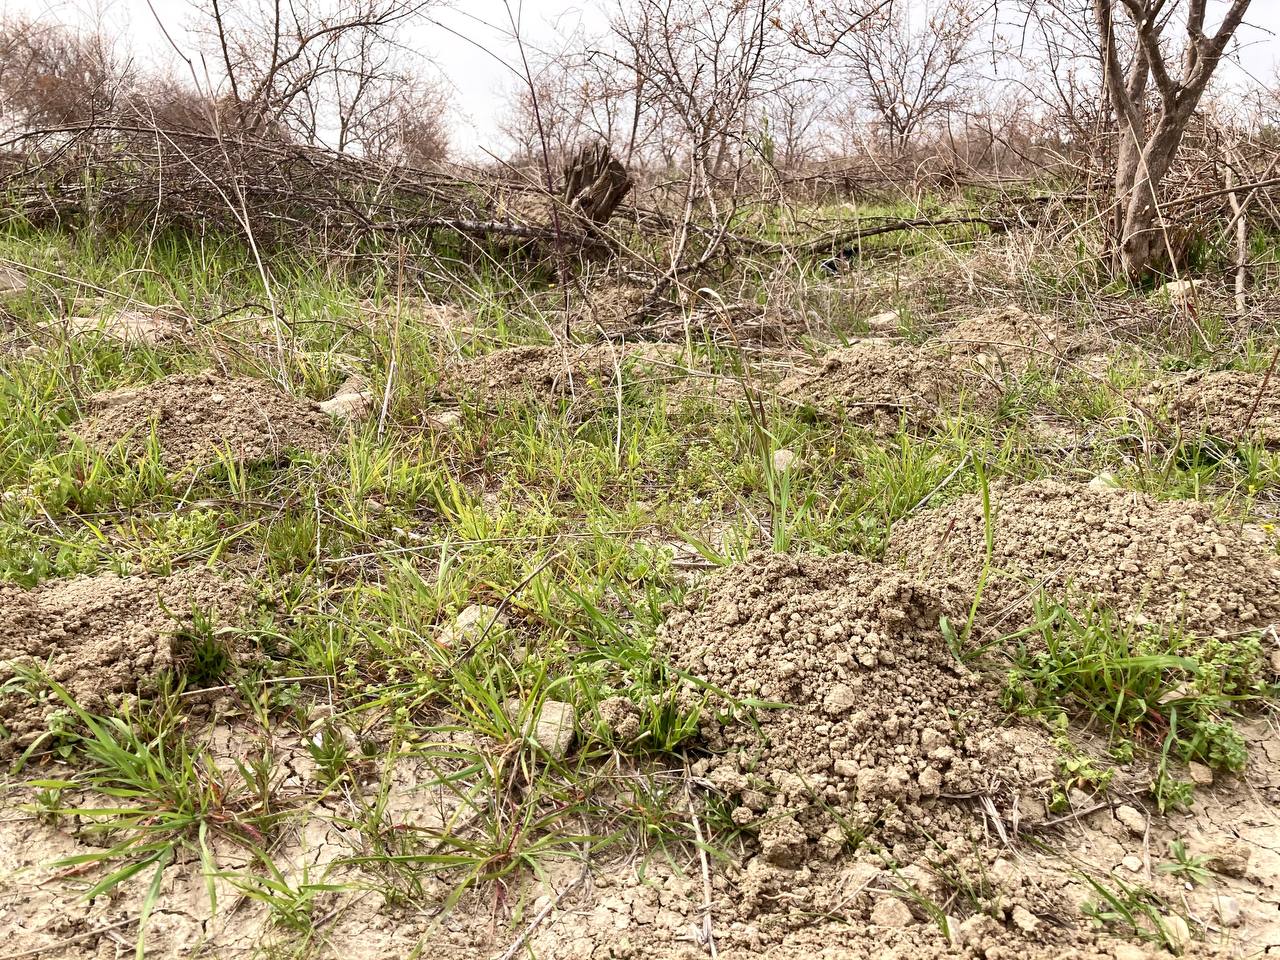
x=470, y=43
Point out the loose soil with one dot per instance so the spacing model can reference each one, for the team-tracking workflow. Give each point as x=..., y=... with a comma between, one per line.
x=1010, y=340
x=1229, y=404
x=875, y=383
x=1162, y=563
x=547, y=372
x=883, y=726
x=103, y=638
x=198, y=418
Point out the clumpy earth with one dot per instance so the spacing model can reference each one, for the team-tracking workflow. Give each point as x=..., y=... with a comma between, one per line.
x=103, y=638
x=544, y=372
x=876, y=383
x=1219, y=403
x=197, y=418
x=1159, y=563
x=884, y=730
x=1009, y=340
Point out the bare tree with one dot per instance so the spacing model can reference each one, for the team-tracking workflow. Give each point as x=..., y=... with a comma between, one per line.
x=908, y=67
x=703, y=65
x=1153, y=95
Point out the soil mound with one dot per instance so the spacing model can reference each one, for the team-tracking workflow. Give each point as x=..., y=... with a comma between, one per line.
x=1152, y=562
x=103, y=638
x=883, y=727
x=876, y=382
x=1008, y=341
x=1218, y=403
x=541, y=372
x=196, y=418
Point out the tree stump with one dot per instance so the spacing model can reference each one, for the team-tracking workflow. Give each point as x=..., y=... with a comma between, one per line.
x=595, y=183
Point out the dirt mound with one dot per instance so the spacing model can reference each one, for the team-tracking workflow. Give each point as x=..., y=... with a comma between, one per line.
x=1152, y=562
x=883, y=727
x=542, y=372
x=1218, y=403
x=198, y=417
x=876, y=382
x=103, y=638
x=1008, y=340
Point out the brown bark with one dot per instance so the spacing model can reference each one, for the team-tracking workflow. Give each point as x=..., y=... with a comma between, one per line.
x=1149, y=139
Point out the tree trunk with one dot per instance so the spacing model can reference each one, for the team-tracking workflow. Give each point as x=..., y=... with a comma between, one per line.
x=595, y=183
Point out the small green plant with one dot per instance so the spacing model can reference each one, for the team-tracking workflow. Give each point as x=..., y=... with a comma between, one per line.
x=1147, y=688
x=1185, y=865
x=1130, y=909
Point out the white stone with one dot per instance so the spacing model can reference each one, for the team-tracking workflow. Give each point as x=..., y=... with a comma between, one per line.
x=784, y=460
x=883, y=323
x=891, y=912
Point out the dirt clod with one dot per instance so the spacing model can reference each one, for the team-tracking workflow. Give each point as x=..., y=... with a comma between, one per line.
x=875, y=383
x=1229, y=404
x=1151, y=562
x=197, y=418
x=880, y=722
x=103, y=638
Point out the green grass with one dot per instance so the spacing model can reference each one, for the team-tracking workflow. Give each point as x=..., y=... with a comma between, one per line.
x=567, y=518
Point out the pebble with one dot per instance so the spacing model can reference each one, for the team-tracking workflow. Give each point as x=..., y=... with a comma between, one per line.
x=784, y=460
x=1132, y=820
x=1230, y=859
x=1132, y=863
x=1228, y=910
x=1177, y=932
x=1201, y=775
x=1024, y=919
x=891, y=912
x=447, y=421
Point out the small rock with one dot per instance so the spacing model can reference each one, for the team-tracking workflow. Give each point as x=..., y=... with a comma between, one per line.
x=1128, y=951
x=1132, y=863
x=841, y=698
x=352, y=401
x=375, y=507
x=1177, y=932
x=1228, y=910
x=447, y=421
x=784, y=460
x=883, y=323
x=891, y=912
x=1132, y=820
x=471, y=624
x=1104, y=482
x=554, y=728
x=1275, y=662
x=1229, y=859
x=1024, y=919
x=1201, y=775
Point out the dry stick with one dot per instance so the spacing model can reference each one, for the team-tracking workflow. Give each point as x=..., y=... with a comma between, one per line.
x=708, y=934
x=542, y=914
x=36, y=951
x=1275, y=355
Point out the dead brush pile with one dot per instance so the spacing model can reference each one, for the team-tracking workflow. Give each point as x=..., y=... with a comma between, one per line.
x=865, y=723
x=1159, y=563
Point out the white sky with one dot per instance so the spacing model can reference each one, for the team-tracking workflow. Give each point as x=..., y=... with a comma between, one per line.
x=481, y=79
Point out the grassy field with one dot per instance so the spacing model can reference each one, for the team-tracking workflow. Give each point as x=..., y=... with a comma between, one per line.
x=576, y=523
